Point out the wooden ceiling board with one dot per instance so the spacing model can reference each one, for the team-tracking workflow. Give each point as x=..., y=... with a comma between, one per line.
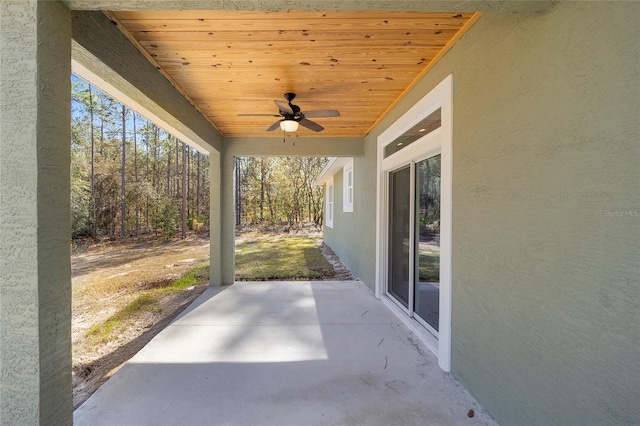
x=354, y=34
x=237, y=62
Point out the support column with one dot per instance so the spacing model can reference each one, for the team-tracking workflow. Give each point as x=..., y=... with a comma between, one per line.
x=35, y=272
x=228, y=216
x=215, y=220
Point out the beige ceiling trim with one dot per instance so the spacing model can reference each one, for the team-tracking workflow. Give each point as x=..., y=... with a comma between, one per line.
x=504, y=6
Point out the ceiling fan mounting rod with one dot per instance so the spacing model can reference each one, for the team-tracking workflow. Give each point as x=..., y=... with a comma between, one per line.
x=289, y=96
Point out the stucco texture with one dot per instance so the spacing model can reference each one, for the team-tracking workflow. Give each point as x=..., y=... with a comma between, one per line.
x=546, y=288
x=546, y=212
x=35, y=271
x=353, y=235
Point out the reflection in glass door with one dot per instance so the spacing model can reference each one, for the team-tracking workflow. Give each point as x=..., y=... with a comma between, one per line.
x=414, y=239
x=427, y=241
x=399, y=234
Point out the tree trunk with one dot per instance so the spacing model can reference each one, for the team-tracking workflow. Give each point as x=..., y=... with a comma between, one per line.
x=124, y=169
x=238, y=192
x=184, y=190
x=135, y=166
x=198, y=186
x=177, y=175
x=189, y=197
x=93, y=175
x=169, y=169
x=101, y=132
x=262, y=189
x=147, y=174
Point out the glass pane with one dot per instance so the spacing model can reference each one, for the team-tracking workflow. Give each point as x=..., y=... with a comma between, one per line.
x=399, y=199
x=422, y=128
x=427, y=291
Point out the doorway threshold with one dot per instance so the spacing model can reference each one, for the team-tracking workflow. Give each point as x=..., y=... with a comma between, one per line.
x=428, y=340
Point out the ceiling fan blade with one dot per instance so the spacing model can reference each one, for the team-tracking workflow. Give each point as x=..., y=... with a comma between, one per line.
x=311, y=125
x=258, y=115
x=274, y=126
x=321, y=113
x=284, y=107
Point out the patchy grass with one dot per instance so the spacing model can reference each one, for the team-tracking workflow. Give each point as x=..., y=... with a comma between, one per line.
x=195, y=276
x=281, y=258
x=146, y=300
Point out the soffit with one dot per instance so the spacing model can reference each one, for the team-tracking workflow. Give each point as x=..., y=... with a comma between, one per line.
x=237, y=62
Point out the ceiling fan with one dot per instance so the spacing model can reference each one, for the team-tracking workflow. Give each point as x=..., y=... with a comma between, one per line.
x=292, y=116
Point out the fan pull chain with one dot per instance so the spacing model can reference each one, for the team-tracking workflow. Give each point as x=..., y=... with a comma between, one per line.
x=284, y=134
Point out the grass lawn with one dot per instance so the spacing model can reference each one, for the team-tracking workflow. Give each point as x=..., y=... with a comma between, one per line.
x=429, y=266
x=260, y=258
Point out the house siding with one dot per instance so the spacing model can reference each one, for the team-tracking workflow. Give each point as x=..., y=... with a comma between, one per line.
x=353, y=236
x=546, y=205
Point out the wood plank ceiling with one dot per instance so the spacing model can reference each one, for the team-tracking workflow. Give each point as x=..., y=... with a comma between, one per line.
x=237, y=62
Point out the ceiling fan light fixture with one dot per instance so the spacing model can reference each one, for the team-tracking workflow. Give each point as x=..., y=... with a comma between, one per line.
x=289, y=125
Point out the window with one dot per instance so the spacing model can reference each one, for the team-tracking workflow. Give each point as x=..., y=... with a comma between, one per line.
x=329, y=196
x=347, y=187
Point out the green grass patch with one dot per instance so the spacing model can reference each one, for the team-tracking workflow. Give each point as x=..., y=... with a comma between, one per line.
x=147, y=300
x=105, y=331
x=429, y=266
x=292, y=258
x=194, y=276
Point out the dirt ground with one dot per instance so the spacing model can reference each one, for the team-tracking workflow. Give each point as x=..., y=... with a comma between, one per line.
x=106, y=277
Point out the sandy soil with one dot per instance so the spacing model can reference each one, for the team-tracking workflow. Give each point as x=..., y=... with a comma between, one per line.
x=105, y=277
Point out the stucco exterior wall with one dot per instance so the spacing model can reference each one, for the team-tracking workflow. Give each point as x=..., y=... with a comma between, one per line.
x=35, y=224
x=353, y=236
x=546, y=212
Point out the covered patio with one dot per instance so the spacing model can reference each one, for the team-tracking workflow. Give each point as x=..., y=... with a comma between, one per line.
x=541, y=154
x=283, y=353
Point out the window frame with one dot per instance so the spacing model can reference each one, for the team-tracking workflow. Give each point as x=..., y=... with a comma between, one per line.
x=347, y=205
x=329, y=202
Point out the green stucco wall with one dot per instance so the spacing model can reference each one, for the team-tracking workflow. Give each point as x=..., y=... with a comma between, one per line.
x=35, y=224
x=353, y=236
x=546, y=212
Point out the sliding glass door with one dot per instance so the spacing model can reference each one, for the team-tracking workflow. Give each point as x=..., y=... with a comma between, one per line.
x=414, y=239
x=399, y=235
x=427, y=241
x=413, y=229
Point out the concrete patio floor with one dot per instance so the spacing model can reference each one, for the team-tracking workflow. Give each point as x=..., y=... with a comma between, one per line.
x=283, y=353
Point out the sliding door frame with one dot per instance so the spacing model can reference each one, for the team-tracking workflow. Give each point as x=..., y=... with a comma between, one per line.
x=439, y=141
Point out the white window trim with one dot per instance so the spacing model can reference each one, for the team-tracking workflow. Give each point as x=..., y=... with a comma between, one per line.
x=347, y=204
x=441, y=139
x=330, y=202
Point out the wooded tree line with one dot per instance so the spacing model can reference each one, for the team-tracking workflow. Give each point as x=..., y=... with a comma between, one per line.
x=128, y=176
x=278, y=190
